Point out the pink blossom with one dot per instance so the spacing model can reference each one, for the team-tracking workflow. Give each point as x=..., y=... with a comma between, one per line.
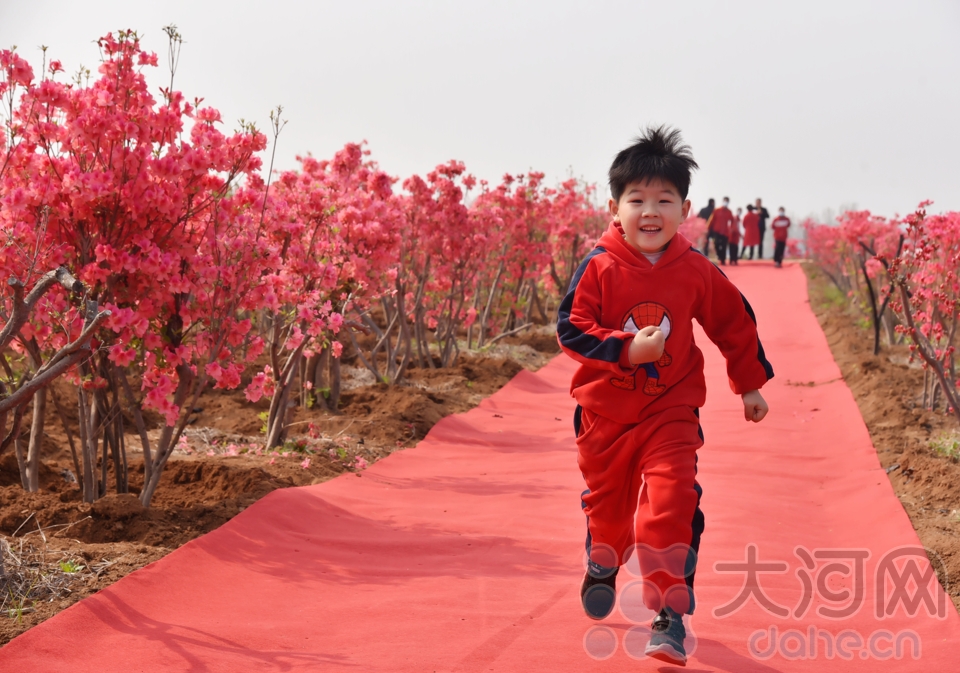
x=122, y=355
x=255, y=390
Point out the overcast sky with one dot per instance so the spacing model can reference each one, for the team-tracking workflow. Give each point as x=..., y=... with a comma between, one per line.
x=815, y=106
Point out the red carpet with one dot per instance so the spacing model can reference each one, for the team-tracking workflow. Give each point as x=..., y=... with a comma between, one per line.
x=465, y=553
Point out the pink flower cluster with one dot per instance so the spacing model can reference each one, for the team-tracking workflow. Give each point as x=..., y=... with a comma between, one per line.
x=210, y=271
x=914, y=263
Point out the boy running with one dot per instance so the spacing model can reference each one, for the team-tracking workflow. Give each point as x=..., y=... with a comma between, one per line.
x=627, y=319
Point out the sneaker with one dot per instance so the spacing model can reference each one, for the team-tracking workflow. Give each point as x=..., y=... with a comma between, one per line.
x=599, y=595
x=666, y=643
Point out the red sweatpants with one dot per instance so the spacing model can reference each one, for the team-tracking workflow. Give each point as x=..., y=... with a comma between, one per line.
x=663, y=522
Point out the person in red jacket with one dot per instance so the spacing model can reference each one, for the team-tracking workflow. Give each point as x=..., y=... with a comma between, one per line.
x=719, y=227
x=751, y=232
x=781, y=225
x=627, y=318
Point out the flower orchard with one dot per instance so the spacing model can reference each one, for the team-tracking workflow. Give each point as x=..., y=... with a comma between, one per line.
x=903, y=274
x=150, y=257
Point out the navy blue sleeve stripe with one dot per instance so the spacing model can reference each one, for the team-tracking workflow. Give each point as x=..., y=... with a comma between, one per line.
x=767, y=367
x=583, y=267
x=586, y=345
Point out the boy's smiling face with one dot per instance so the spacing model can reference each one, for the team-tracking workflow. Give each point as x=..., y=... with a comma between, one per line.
x=650, y=213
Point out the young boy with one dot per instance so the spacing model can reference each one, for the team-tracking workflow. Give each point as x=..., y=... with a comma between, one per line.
x=627, y=319
x=781, y=225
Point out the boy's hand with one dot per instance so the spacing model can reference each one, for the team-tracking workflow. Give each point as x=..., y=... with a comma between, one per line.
x=647, y=345
x=754, y=406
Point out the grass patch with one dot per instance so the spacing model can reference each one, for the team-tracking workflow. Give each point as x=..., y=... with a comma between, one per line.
x=947, y=444
x=30, y=573
x=833, y=297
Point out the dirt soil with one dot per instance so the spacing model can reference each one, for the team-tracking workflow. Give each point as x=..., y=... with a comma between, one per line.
x=82, y=548
x=888, y=389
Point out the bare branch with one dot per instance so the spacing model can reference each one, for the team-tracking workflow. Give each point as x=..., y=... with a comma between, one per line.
x=61, y=361
x=22, y=307
x=510, y=333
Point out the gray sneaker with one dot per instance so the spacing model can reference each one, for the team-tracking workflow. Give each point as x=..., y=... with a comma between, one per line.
x=666, y=643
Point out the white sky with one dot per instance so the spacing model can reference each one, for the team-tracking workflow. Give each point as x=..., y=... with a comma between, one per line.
x=814, y=106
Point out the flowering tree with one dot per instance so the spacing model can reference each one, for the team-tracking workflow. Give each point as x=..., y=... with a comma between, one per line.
x=926, y=278
x=143, y=214
x=576, y=224
x=512, y=287
x=335, y=228
x=850, y=254
x=159, y=263
x=910, y=266
x=52, y=333
x=452, y=245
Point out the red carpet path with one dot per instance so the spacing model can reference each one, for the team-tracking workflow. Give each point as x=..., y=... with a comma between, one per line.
x=465, y=553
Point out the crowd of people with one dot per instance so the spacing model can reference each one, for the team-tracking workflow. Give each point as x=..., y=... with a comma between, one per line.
x=740, y=237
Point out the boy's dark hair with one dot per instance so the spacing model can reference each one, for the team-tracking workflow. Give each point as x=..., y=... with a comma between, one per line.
x=710, y=202
x=750, y=207
x=658, y=153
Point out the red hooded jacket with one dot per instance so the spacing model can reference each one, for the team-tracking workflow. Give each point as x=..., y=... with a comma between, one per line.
x=720, y=221
x=616, y=291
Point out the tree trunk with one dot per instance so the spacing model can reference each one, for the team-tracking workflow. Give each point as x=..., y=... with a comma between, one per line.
x=312, y=373
x=67, y=431
x=539, y=306
x=279, y=405
x=88, y=445
x=170, y=435
x=481, y=340
x=21, y=461
x=335, y=382
x=120, y=459
x=141, y=426
x=32, y=482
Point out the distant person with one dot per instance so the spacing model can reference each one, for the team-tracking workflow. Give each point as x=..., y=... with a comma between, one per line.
x=733, y=246
x=639, y=384
x=751, y=232
x=704, y=215
x=781, y=225
x=707, y=210
x=719, y=228
x=762, y=216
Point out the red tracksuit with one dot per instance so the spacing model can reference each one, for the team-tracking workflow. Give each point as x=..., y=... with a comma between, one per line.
x=639, y=424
